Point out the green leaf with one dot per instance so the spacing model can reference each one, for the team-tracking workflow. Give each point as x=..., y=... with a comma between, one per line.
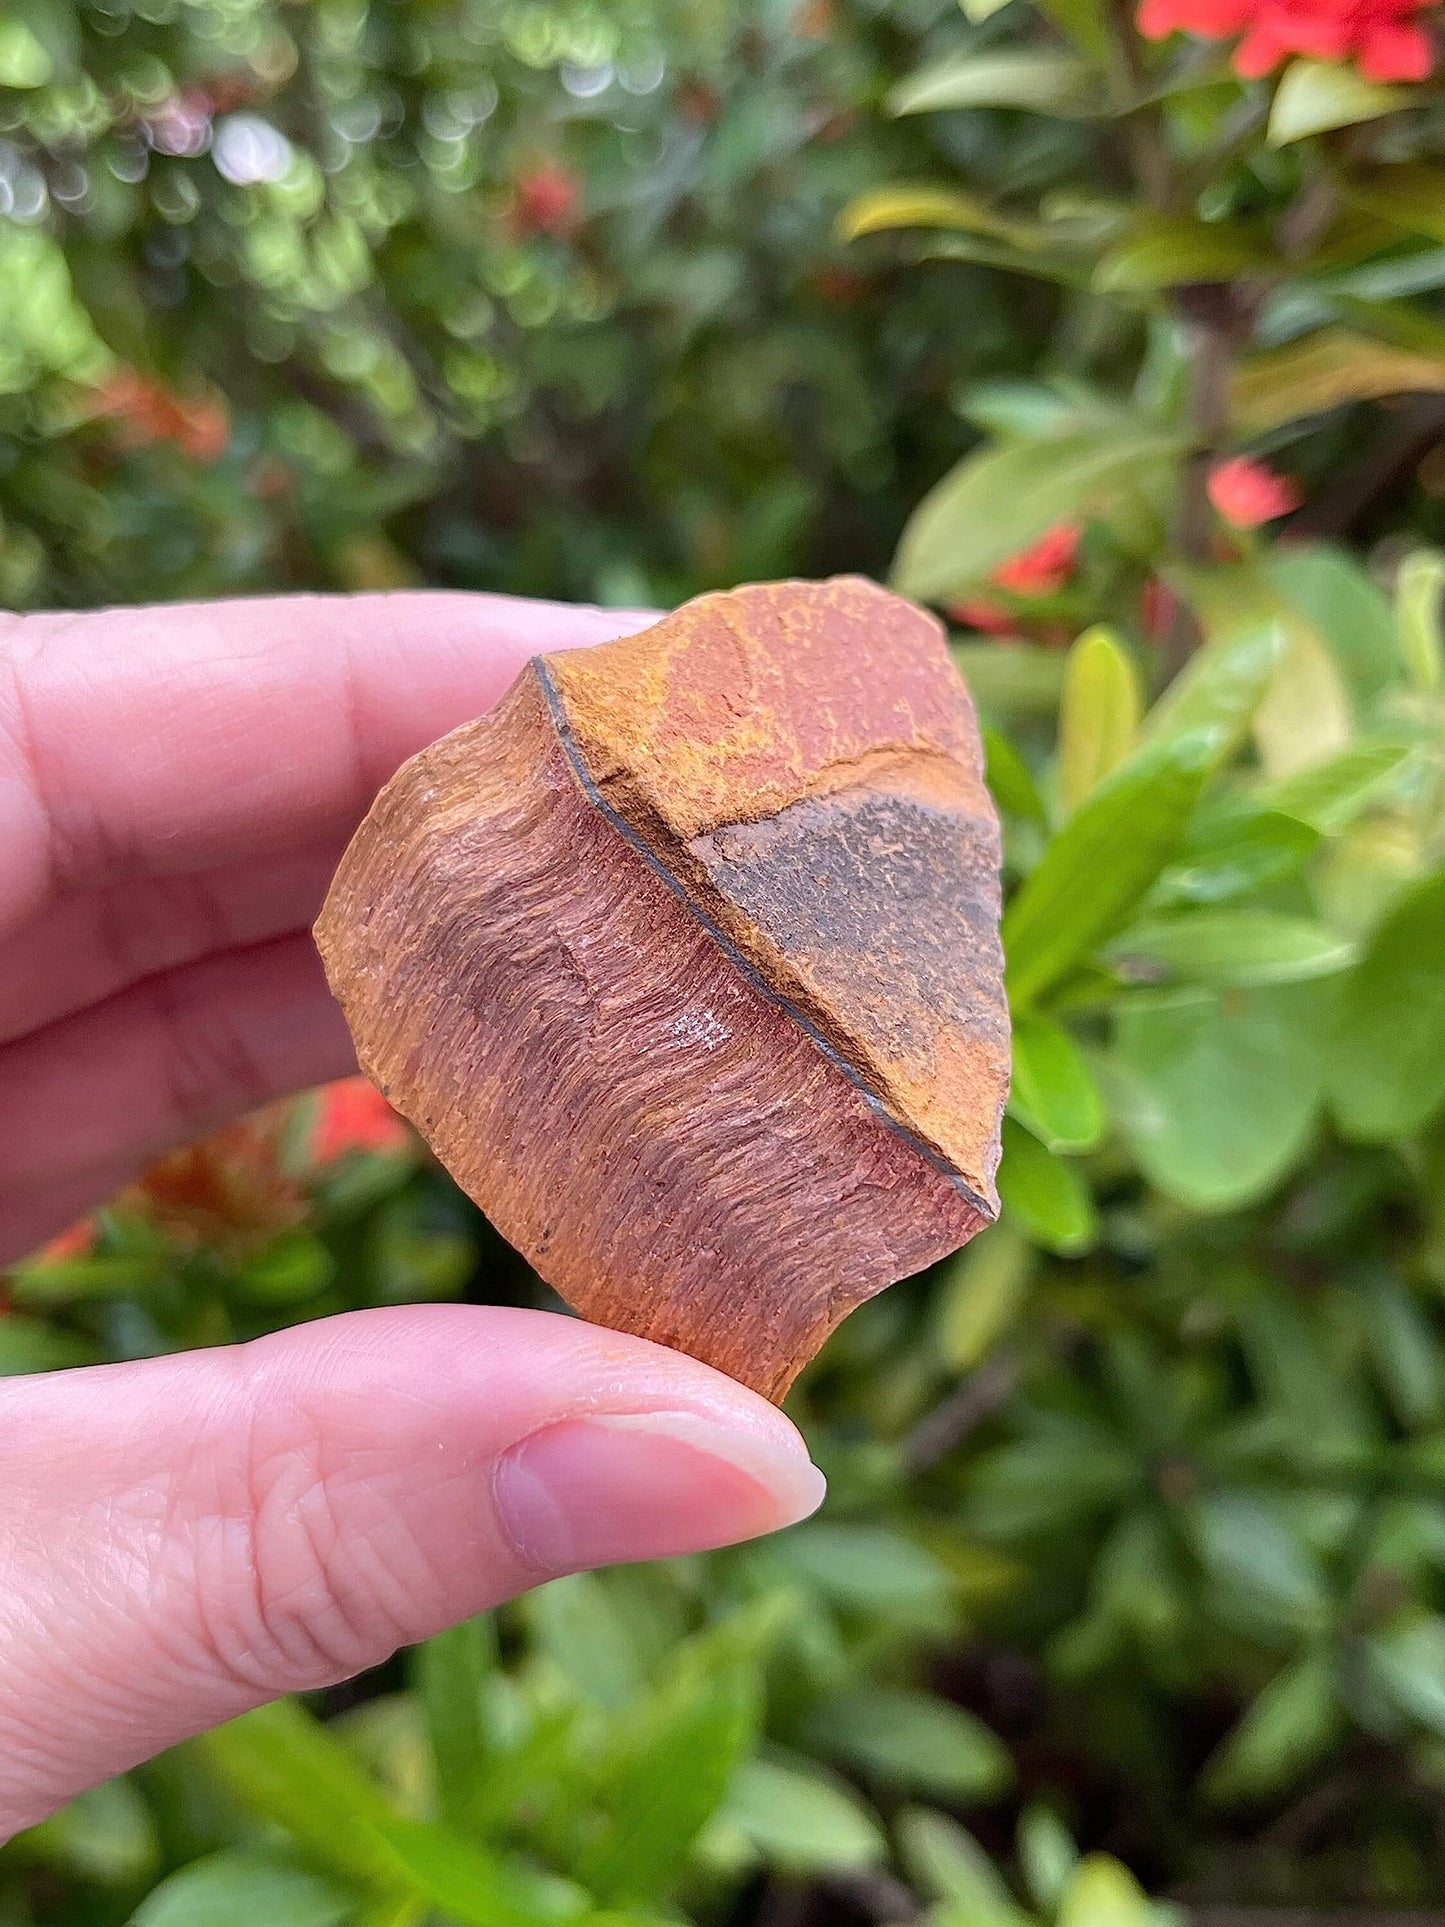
x=1290, y=1726
x=1408, y=1667
x=293, y=1268
x=1411, y=195
x=1257, y=1561
x=1330, y=795
x=105, y=1834
x=1164, y=253
x=980, y=10
x=1406, y=1352
x=1016, y=77
x=84, y=1280
x=1054, y=1094
x=1099, y=715
x=1341, y=601
x=949, y=1864
x=1234, y=853
x=1222, y=685
x=1047, y=1856
x=286, y=1768
x=1244, y=947
x=1387, y=1063
x=868, y=1568
x=1419, y=597
x=1316, y=95
x=1101, y=864
x=979, y=1295
x=1009, y=780
x=1322, y=371
x=910, y=205
x=475, y=1887
x=1044, y=1197
x=31, y=1345
x=666, y=1773
x=245, y=1887
x=1013, y=679
x=1304, y=716
x=450, y=1673
x=576, y=1624
x=912, y=1741
x=998, y=500
x=24, y=63
x=1220, y=1094
x=1103, y=1893
x=802, y=1819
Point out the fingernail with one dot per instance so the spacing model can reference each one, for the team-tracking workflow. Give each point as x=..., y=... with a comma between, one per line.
x=612, y=1487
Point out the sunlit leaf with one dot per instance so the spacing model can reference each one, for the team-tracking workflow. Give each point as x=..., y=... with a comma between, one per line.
x=1164, y=253
x=980, y=1293
x=1242, y=947
x=1322, y=371
x=1015, y=77
x=1101, y=864
x=1408, y=1665
x=1304, y=715
x=1328, y=796
x=1419, y=601
x=1283, y=1734
x=1099, y=715
x=909, y=206
x=1316, y=95
x=998, y=500
x=1103, y=1893
x=1223, y=683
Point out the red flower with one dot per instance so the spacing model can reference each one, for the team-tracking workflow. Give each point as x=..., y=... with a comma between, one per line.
x=545, y=200
x=1046, y=566
x=232, y=1190
x=77, y=1242
x=1246, y=493
x=148, y=412
x=1383, y=38
x=1041, y=569
x=354, y=1116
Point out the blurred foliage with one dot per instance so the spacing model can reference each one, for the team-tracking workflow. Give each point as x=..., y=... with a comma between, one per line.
x=1135, y=1550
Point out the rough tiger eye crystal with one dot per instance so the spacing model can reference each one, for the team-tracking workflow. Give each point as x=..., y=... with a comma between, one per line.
x=685, y=961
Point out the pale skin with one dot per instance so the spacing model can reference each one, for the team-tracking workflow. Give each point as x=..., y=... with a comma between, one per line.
x=184, y=1538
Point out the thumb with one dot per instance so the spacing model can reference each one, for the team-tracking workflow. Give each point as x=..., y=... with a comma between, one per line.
x=186, y=1537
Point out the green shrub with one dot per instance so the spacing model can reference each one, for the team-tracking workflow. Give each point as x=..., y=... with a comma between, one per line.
x=1135, y=1538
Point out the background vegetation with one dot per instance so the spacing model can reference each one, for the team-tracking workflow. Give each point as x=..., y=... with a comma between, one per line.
x=1132, y=1577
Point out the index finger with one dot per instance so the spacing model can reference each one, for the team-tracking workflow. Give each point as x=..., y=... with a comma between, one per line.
x=172, y=738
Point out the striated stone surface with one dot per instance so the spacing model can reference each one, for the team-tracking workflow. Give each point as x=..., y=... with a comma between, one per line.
x=685, y=961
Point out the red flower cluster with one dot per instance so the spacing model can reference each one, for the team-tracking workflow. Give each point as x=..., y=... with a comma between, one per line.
x=1384, y=38
x=354, y=1116
x=1247, y=493
x=545, y=200
x=148, y=412
x=244, y=1184
x=1041, y=569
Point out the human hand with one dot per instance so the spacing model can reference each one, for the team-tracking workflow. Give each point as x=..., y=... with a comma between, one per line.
x=183, y=1538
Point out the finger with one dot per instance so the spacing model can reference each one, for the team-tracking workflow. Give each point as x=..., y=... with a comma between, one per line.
x=87, y=1103
x=185, y=1538
x=85, y=948
x=173, y=738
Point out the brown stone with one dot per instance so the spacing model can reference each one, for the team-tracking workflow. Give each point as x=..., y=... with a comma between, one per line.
x=685, y=961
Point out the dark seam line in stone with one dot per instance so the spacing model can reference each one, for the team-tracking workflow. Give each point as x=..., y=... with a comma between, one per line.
x=748, y=970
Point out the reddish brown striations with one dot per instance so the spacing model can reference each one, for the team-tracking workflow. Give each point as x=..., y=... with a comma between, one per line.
x=685, y=961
